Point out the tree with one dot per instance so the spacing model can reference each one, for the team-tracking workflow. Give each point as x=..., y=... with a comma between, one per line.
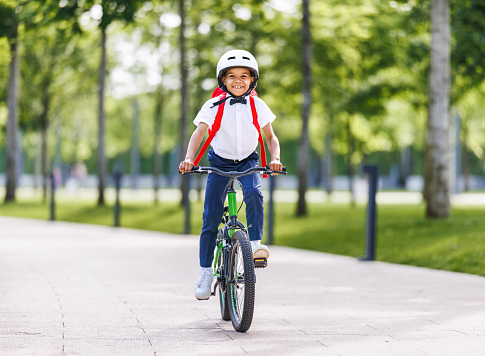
x=437, y=191
x=101, y=121
x=9, y=27
x=44, y=50
x=155, y=36
x=468, y=63
x=55, y=17
x=183, y=109
x=108, y=12
x=47, y=44
x=468, y=55
x=304, y=144
x=157, y=135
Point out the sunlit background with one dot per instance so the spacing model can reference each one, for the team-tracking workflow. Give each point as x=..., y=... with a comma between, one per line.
x=369, y=77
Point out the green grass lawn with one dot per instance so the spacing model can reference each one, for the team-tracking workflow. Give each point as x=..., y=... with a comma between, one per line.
x=403, y=234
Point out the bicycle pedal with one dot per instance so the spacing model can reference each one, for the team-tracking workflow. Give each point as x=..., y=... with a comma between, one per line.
x=260, y=262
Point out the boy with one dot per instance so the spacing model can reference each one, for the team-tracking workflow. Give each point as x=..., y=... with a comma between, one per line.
x=233, y=149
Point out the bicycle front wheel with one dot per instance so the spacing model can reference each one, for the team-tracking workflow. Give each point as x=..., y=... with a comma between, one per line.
x=241, y=288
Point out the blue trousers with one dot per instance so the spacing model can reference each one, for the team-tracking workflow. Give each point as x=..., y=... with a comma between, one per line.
x=214, y=203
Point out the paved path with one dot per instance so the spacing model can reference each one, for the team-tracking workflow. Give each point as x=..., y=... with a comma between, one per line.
x=69, y=289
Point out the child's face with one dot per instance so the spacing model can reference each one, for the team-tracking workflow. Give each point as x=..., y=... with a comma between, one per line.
x=237, y=80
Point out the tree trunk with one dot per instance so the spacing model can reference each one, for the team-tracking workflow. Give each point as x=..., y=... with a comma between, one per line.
x=405, y=166
x=38, y=163
x=437, y=185
x=135, y=145
x=350, y=166
x=466, y=164
x=12, y=124
x=329, y=161
x=304, y=141
x=101, y=123
x=157, y=154
x=44, y=126
x=20, y=155
x=185, y=185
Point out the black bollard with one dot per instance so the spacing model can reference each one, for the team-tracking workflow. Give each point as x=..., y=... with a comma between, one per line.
x=117, y=208
x=272, y=184
x=186, y=203
x=53, y=201
x=373, y=174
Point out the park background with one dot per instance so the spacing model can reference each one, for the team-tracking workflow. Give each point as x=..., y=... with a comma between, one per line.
x=89, y=88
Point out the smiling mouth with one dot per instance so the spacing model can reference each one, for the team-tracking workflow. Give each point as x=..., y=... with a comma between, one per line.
x=237, y=87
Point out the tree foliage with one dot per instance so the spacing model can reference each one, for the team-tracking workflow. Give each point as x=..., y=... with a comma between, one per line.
x=370, y=68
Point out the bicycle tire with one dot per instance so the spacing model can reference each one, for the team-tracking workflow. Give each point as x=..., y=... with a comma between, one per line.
x=223, y=300
x=241, y=290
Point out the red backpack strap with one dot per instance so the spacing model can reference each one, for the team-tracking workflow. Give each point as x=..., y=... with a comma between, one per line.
x=212, y=132
x=260, y=137
x=218, y=92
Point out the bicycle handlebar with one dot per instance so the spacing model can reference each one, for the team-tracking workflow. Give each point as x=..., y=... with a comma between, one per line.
x=206, y=170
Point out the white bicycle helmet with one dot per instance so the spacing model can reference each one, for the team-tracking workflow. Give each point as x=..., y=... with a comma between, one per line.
x=237, y=58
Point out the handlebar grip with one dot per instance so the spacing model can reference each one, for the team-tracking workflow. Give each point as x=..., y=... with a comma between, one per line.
x=283, y=170
x=193, y=170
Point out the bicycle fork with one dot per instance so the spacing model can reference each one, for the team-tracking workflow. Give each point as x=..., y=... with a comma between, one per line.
x=222, y=247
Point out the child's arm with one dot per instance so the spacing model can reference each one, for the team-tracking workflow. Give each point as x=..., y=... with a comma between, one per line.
x=194, y=143
x=274, y=148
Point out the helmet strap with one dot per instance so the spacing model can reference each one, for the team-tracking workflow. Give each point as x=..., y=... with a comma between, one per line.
x=248, y=92
x=217, y=103
x=230, y=95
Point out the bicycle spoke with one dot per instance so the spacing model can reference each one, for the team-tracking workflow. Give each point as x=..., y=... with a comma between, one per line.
x=240, y=269
x=239, y=281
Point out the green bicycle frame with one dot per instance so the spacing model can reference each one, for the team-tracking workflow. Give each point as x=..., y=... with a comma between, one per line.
x=231, y=197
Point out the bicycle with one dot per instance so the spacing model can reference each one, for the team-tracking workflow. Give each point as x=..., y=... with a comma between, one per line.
x=233, y=263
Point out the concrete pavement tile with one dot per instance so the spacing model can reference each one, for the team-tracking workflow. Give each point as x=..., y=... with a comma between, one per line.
x=107, y=346
x=219, y=348
x=30, y=344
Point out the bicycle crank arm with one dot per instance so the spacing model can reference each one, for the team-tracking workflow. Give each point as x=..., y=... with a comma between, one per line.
x=215, y=287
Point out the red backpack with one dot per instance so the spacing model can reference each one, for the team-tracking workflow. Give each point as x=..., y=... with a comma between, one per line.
x=217, y=125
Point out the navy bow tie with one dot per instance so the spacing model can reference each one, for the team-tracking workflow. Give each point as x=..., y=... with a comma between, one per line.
x=238, y=100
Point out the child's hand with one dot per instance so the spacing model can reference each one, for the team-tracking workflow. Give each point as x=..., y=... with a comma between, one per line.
x=186, y=165
x=275, y=165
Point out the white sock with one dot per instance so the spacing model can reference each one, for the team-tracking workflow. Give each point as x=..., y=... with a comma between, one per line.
x=206, y=269
x=255, y=243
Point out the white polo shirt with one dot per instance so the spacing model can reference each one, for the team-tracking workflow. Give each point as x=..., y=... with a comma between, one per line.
x=237, y=137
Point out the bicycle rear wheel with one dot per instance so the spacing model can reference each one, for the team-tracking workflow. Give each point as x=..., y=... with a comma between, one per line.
x=223, y=301
x=241, y=289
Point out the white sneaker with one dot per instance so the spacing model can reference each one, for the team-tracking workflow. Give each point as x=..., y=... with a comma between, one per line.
x=259, y=251
x=204, y=284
